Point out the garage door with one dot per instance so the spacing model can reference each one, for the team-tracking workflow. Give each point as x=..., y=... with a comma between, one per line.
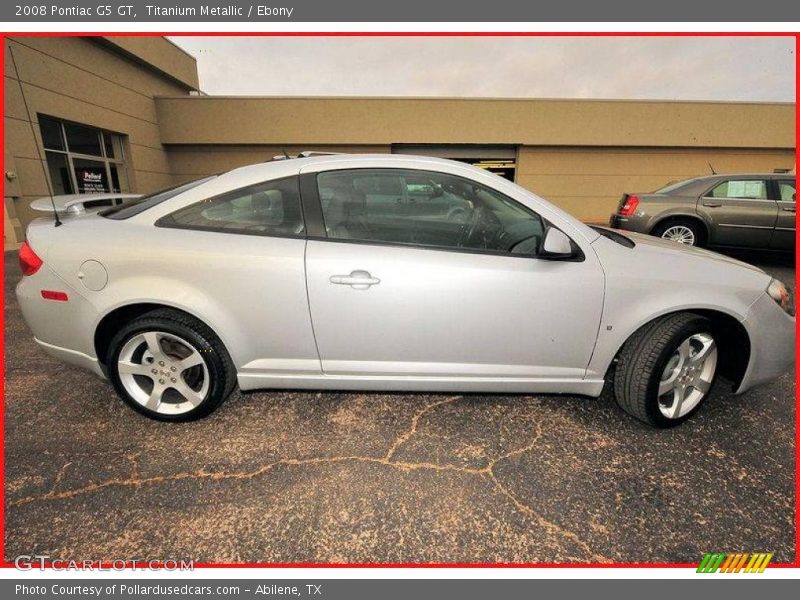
x=501, y=160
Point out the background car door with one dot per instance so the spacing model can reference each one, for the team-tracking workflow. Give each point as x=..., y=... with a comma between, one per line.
x=396, y=309
x=741, y=213
x=785, y=192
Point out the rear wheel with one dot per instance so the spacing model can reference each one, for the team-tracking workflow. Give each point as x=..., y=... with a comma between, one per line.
x=169, y=366
x=666, y=369
x=683, y=231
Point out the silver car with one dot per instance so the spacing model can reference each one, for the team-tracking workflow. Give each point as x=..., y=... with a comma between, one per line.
x=249, y=278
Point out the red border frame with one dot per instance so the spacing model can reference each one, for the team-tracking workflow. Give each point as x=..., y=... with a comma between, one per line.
x=3, y=35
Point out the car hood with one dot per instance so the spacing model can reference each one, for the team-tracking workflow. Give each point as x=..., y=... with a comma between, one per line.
x=651, y=244
x=656, y=276
x=682, y=274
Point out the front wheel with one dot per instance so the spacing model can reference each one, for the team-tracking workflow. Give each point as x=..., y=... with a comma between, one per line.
x=666, y=369
x=170, y=367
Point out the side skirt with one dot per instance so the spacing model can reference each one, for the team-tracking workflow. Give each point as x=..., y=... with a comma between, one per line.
x=583, y=387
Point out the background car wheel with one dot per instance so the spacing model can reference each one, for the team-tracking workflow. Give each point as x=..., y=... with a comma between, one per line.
x=683, y=231
x=170, y=366
x=666, y=369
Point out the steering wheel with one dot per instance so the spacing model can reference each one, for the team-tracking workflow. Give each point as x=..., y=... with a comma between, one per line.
x=479, y=233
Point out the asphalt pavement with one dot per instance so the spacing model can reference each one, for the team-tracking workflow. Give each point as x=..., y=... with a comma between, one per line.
x=287, y=477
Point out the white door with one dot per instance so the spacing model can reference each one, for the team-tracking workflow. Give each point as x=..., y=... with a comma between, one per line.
x=400, y=295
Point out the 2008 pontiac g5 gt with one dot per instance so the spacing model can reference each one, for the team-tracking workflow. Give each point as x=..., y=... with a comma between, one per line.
x=372, y=272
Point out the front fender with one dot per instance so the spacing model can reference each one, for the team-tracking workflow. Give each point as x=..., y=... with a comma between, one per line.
x=648, y=282
x=612, y=337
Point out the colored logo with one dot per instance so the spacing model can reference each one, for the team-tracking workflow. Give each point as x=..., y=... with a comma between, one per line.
x=741, y=562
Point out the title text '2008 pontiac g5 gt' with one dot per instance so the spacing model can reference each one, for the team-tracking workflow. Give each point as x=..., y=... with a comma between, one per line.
x=372, y=272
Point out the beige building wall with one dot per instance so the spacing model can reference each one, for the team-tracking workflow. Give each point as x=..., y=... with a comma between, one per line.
x=193, y=162
x=358, y=121
x=93, y=82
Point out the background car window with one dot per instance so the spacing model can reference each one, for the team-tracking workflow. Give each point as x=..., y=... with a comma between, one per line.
x=426, y=209
x=269, y=208
x=788, y=191
x=747, y=189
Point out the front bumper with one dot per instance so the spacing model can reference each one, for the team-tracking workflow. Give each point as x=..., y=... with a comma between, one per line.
x=772, y=342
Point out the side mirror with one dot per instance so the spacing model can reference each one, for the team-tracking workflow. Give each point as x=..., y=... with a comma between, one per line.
x=556, y=244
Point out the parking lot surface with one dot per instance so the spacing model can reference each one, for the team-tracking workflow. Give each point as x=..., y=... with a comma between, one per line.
x=364, y=478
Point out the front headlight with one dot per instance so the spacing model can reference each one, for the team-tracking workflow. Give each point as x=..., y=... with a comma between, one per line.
x=781, y=294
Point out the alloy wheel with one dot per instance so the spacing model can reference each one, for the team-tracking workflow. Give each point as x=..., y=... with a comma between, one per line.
x=687, y=376
x=163, y=372
x=681, y=234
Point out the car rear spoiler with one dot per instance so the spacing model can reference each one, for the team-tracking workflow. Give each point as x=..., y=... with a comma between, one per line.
x=79, y=203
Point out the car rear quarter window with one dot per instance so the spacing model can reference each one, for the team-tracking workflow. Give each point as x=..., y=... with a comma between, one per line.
x=267, y=208
x=127, y=210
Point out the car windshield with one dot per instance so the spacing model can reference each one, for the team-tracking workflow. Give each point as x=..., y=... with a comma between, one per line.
x=129, y=209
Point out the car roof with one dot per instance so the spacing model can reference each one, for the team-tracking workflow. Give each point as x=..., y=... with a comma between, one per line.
x=743, y=175
x=276, y=169
x=299, y=162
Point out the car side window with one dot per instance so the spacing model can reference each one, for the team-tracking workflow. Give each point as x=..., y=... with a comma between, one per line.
x=787, y=191
x=744, y=189
x=268, y=208
x=425, y=208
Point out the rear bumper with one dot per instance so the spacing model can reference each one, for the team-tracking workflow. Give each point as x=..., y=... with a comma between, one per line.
x=65, y=330
x=772, y=342
x=72, y=357
x=629, y=223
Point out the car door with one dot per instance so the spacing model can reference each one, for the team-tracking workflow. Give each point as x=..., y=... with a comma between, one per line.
x=740, y=211
x=425, y=297
x=784, y=192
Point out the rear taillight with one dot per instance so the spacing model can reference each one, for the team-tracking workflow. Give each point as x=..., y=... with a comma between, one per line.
x=629, y=206
x=28, y=261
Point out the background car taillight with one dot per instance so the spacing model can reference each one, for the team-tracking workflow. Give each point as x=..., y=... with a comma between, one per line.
x=629, y=205
x=28, y=261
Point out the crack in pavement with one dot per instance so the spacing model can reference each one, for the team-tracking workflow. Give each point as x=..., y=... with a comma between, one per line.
x=404, y=437
x=487, y=472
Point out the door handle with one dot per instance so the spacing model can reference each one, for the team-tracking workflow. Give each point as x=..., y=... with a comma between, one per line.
x=712, y=204
x=358, y=280
x=789, y=209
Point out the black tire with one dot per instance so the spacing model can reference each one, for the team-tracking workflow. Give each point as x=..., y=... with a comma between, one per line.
x=643, y=359
x=696, y=228
x=222, y=373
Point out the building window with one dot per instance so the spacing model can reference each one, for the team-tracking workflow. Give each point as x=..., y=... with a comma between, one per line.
x=81, y=159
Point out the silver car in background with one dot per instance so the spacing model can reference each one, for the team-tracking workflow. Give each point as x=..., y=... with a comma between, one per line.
x=302, y=274
x=755, y=211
